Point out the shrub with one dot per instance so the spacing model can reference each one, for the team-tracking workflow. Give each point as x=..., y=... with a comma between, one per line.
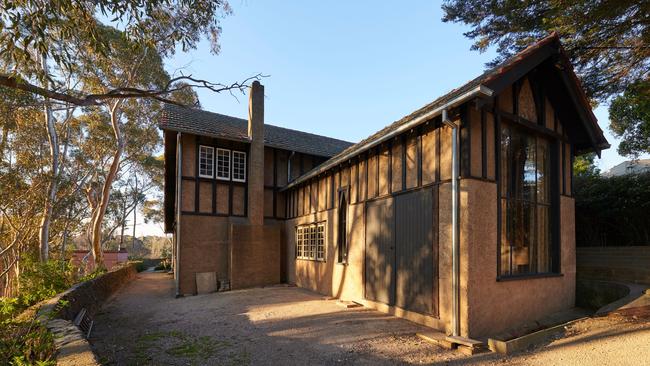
x=612, y=211
x=38, y=282
x=140, y=266
x=25, y=341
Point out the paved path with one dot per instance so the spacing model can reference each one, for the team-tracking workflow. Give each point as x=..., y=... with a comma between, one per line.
x=144, y=325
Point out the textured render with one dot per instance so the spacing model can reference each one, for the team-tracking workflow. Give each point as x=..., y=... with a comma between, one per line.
x=444, y=256
x=346, y=281
x=255, y=256
x=488, y=306
x=204, y=248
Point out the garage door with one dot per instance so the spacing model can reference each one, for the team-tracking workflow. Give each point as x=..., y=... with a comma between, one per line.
x=414, y=238
x=401, y=251
x=380, y=252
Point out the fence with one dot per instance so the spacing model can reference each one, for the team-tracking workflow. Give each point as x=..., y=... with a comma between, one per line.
x=626, y=264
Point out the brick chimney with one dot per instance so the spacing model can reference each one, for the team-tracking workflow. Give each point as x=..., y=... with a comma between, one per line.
x=256, y=158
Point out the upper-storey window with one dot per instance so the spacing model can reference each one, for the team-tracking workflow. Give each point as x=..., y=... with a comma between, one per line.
x=206, y=161
x=239, y=166
x=526, y=182
x=223, y=164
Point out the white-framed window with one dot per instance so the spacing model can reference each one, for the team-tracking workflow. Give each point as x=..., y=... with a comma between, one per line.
x=223, y=164
x=238, y=166
x=206, y=161
x=310, y=241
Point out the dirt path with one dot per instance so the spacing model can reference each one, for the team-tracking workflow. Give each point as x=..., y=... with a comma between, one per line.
x=145, y=325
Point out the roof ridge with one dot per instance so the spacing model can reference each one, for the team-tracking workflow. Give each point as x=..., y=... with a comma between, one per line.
x=265, y=124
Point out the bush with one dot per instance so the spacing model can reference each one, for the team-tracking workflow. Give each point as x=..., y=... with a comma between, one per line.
x=164, y=264
x=612, y=211
x=38, y=282
x=140, y=266
x=26, y=343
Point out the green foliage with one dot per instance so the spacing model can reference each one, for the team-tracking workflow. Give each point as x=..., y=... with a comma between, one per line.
x=606, y=40
x=40, y=281
x=630, y=119
x=139, y=265
x=94, y=274
x=25, y=343
x=612, y=211
x=56, y=26
x=583, y=165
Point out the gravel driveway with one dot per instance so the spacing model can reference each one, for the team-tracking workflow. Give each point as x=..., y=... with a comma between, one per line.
x=145, y=325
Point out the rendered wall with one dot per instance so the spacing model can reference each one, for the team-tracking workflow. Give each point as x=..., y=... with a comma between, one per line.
x=489, y=306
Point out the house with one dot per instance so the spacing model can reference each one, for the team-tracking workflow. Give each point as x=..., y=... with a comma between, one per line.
x=639, y=166
x=459, y=216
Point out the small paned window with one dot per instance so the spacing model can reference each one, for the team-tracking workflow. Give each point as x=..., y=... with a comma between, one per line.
x=223, y=164
x=310, y=242
x=239, y=166
x=206, y=161
x=526, y=205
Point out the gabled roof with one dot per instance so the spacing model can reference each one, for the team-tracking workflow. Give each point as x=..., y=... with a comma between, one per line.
x=198, y=122
x=488, y=84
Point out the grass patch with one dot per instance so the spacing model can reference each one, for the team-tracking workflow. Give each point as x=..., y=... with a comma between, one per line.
x=195, y=350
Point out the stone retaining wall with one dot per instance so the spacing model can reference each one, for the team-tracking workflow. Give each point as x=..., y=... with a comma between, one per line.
x=72, y=347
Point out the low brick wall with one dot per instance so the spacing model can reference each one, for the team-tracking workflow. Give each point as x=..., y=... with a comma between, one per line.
x=72, y=347
x=626, y=264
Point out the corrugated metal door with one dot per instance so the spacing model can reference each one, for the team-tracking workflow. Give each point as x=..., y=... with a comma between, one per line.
x=380, y=252
x=416, y=251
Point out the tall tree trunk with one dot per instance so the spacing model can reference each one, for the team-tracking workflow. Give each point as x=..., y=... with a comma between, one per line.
x=98, y=214
x=135, y=210
x=123, y=224
x=44, y=229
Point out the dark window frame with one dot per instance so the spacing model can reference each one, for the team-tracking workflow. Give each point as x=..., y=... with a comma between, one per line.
x=553, y=202
x=342, y=237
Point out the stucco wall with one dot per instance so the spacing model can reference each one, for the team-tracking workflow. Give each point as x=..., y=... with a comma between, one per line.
x=489, y=306
x=346, y=282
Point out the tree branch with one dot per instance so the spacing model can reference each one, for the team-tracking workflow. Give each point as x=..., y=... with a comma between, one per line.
x=127, y=93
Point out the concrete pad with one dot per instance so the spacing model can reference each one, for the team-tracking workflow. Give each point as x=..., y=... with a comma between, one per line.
x=206, y=282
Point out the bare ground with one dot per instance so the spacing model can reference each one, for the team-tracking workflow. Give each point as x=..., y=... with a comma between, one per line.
x=145, y=325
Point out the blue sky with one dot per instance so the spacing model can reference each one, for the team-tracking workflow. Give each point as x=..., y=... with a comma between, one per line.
x=341, y=69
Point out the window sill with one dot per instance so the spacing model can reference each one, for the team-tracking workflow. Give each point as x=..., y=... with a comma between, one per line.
x=311, y=260
x=528, y=276
x=342, y=263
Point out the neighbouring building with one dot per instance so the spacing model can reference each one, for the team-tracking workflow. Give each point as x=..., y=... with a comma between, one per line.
x=638, y=166
x=459, y=216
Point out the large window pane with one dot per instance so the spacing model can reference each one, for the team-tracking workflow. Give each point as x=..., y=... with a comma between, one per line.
x=525, y=204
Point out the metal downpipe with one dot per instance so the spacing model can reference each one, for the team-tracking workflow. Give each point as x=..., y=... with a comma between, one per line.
x=177, y=241
x=455, y=246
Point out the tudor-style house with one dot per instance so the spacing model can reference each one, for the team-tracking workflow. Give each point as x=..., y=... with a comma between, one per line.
x=459, y=216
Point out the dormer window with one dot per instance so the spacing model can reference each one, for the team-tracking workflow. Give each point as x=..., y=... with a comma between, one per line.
x=206, y=161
